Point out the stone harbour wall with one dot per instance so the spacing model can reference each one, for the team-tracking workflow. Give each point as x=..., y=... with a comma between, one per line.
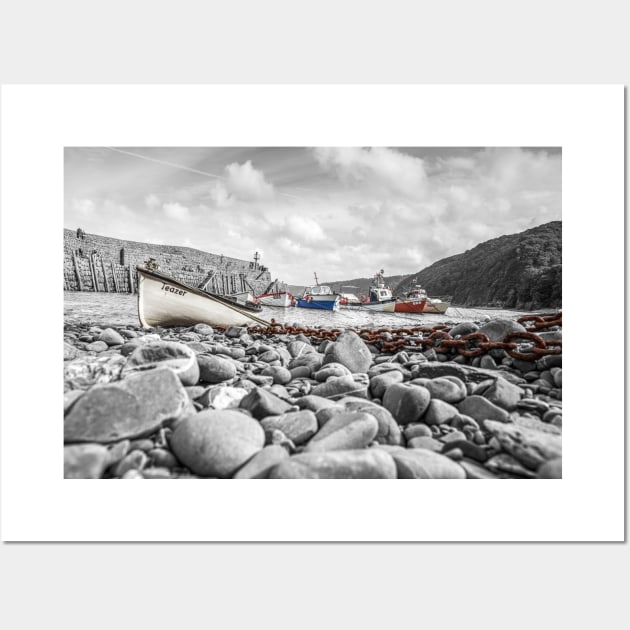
x=101, y=263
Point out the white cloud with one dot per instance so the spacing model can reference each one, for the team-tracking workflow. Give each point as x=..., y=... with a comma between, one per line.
x=288, y=246
x=83, y=207
x=152, y=201
x=176, y=211
x=304, y=229
x=243, y=183
x=456, y=163
x=115, y=211
x=220, y=196
x=512, y=170
x=246, y=183
x=378, y=168
x=459, y=194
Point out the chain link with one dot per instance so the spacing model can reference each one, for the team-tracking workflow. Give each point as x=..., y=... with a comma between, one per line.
x=525, y=346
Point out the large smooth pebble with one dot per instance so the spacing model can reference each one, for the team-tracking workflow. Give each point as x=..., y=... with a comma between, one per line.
x=216, y=443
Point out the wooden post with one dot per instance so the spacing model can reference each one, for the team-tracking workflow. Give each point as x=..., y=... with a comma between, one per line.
x=111, y=264
x=105, y=276
x=76, y=271
x=92, y=272
x=130, y=281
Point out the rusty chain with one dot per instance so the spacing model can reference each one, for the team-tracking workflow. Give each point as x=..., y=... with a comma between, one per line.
x=526, y=346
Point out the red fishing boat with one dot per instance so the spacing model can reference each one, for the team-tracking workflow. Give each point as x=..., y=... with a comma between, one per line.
x=413, y=302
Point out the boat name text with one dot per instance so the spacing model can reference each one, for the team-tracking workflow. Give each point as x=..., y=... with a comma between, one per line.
x=170, y=289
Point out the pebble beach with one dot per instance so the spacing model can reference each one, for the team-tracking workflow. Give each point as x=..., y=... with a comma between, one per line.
x=203, y=402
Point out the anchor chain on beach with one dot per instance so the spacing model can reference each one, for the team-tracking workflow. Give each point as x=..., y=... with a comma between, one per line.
x=420, y=338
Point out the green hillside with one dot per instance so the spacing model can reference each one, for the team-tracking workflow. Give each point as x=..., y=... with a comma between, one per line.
x=521, y=271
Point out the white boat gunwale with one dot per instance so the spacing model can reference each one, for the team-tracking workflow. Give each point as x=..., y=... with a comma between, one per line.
x=273, y=294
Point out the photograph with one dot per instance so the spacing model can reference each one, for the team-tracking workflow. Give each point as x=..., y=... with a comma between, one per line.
x=349, y=312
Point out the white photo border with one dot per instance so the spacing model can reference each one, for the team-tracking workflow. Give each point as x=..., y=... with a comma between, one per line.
x=38, y=121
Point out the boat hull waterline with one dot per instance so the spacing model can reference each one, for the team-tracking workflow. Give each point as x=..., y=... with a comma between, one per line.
x=164, y=301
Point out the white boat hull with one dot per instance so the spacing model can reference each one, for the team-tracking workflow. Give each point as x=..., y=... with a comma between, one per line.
x=379, y=307
x=242, y=298
x=283, y=299
x=164, y=301
x=436, y=307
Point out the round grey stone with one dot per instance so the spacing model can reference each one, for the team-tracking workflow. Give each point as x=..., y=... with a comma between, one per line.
x=213, y=369
x=111, y=337
x=176, y=356
x=407, y=403
x=97, y=346
x=217, y=443
x=347, y=430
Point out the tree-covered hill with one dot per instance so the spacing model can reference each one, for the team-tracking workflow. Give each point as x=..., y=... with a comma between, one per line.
x=521, y=271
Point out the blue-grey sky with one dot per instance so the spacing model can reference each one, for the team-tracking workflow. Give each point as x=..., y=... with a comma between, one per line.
x=340, y=212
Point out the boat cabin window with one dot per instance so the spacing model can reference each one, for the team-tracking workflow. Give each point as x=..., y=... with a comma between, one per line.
x=383, y=293
x=318, y=290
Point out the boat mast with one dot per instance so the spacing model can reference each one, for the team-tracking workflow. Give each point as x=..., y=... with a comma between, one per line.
x=316, y=280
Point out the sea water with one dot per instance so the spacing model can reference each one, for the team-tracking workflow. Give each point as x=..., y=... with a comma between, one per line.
x=121, y=309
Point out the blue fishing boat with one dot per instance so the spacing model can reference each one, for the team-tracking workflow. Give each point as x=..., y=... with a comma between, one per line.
x=319, y=296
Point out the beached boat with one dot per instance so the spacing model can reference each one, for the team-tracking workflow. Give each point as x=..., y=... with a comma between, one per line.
x=380, y=298
x=411, y=302
x=281, y=299
x=349, y=300
x=244, y=297
x=436, y=305
x=319, y=296
x=164, y=301
x=244, y=300
x=275, y=294
x=414, y=301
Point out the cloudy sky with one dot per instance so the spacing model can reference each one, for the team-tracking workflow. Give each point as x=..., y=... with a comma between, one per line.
x=340, y=212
